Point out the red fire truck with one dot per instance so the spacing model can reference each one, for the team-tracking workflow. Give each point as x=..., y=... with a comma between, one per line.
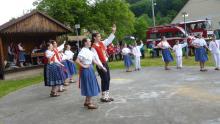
x=177, y=31
x=199, y=26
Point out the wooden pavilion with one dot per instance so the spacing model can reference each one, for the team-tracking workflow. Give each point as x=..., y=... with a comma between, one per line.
x=31, y=30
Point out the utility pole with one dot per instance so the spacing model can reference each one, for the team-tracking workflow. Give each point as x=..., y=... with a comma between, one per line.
x=184, y=15
x=153, y=14
x=77, y=26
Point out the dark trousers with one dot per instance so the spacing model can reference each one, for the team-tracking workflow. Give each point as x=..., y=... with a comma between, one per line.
x=105, y=77
x=45, y=74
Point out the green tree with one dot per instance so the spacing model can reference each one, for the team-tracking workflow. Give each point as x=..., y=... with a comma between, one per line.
x=141, y=25
x=165, y=10
x=68, y=12
x=97, y=16
x=107, y=12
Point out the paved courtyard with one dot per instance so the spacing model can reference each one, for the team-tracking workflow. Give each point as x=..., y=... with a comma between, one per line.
x=150, y=96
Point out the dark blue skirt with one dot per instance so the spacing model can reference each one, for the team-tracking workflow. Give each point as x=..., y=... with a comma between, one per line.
x=88, y=82
x=53, y=75
x=200, y=55
x=71, y=68
x=21, y=56
x=10, y=57
x=65, y=69
x=127, y=60
x=167, y=57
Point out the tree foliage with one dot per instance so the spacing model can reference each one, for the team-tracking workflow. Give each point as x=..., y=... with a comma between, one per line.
x=141, y=25
x=165, y=10
x=97, y=16
x=132, y=17
x=68, y=12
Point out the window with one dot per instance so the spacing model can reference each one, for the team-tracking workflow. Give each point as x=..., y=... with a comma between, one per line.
x=217, y=33
x=168, y=34
x=154, y=36
x=178, y=34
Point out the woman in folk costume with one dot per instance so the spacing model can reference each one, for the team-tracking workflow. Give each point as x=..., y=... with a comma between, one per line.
x=165, y=46
x=64, y=61
x=179, y=53
x=21, y=55
x=137, y=55
x=200, y=52
x=58, y=55
x=88, y=82
x=53, y=73
x=99, y=47
x=127, y=58
x=214, y=48
x=70, y=62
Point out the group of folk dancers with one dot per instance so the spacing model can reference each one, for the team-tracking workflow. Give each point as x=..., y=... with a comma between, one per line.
x=60, y=68
x=199, y=44
x=135, y=51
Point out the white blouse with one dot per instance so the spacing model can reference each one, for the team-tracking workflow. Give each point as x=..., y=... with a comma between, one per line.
x=50, y=54
x=199, y=42
x=64, y=56
x=164, y=44
x=126, y=51
x=69, y=54
x=86, y=56
x=20, y=47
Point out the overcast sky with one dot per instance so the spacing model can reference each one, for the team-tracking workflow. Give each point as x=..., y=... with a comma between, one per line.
x=13, y=8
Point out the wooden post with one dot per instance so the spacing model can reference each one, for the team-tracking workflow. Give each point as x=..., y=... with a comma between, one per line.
x=2, y=68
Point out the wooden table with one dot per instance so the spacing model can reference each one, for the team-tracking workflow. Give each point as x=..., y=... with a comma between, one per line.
x=37, y=55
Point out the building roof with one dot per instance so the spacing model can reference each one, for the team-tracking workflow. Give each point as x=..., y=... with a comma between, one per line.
x=199, y=10
x=19, y=19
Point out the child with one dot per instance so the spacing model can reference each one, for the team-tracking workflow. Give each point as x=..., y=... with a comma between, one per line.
x=137, y=55
x=200, y=52
x=88, y=82
x=167, y=57
x=70, y=62
x=214, y=48
x=179, y=54
x=127, y=59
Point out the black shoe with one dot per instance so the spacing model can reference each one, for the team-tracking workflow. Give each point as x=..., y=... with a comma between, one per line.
x=105, y=100
x=203, y=70
x=111, y=99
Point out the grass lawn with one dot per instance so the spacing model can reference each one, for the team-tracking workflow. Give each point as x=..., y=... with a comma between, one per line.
x=8, y=86
x=151, y=62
